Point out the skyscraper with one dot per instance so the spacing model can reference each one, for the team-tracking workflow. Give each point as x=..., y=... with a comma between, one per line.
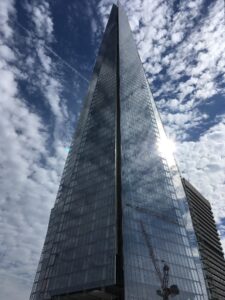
x=120, y=227
x=209, y=242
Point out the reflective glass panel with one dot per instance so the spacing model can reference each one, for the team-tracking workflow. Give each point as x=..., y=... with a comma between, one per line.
x=80, y=247
x=155, y=231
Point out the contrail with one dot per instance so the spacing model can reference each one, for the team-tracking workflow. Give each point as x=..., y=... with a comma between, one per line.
x=53, y=52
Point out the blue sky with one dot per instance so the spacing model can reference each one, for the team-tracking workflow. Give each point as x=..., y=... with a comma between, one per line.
x=47, y=52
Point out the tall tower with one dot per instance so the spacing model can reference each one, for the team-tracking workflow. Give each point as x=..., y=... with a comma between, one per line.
x=120, y=227
x=209, y=242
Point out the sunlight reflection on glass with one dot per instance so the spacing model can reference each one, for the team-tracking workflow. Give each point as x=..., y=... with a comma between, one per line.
x=166, y=148
x=67, y=149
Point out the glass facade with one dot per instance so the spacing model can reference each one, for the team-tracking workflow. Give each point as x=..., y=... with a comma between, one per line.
x=120, y=213
x=79, y=252
x=155, y=217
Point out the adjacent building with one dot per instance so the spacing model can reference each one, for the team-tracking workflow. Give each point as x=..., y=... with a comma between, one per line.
x=208, y=240
x=120, y=227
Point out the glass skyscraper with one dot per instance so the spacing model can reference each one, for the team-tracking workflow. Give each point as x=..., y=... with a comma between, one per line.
x=120, y=227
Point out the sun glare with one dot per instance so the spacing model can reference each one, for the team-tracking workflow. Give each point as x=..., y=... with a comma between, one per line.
x=67, y=149
x=166, y=148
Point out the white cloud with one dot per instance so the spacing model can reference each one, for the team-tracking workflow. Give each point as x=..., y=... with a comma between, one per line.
x=201, y=54
x=10, y=285
x=44, y=59
x=6, y=53
x=28, y=186
x=176, y=37
x=27, y=189
x=6, y=9
x=48, y=83
x=42, y=18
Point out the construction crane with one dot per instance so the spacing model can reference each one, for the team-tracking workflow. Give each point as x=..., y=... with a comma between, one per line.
x=165, y=290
